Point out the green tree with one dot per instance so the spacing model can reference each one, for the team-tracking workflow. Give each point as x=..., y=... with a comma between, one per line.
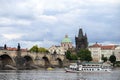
x=73, y=57
x=38, y=50
x=34, y=49
x=104, y=58
x=41, y=49
x=112, y=59
x=68, y=54
x=85, y=55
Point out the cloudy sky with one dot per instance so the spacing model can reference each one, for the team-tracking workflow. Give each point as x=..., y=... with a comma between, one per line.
x=46, y=22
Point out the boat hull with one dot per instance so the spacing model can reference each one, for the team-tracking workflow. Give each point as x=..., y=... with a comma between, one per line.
x=78, y=71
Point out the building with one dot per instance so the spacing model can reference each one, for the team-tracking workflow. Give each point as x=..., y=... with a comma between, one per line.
x=1, y=48
x=66, y=43
x=117, y=53
x=81, y=41
x=57, y=50
x=97, y=50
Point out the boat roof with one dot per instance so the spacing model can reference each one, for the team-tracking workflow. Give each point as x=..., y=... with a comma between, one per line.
x=92, y=63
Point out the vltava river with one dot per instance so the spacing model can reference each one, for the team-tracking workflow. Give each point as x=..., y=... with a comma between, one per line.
x=57, y=74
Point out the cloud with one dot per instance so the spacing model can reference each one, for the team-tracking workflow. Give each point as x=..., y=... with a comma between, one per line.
x=45, y=23
x=7, y=21
x=47, y=19
x=12, y=36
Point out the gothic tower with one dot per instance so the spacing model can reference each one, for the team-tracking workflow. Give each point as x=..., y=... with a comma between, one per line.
x=81, y=40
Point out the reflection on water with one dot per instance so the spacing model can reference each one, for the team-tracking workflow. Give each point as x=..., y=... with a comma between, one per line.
x=57, y=74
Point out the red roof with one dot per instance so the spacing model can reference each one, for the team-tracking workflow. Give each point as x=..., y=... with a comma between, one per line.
x=96, y=45
x=105, y=47
x=108, y=47
x=15, y=49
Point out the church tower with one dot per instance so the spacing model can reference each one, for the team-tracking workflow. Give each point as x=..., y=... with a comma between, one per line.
x=81, y=41
x=66, y=43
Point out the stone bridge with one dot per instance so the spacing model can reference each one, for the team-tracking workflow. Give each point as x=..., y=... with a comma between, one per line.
x=39, y=59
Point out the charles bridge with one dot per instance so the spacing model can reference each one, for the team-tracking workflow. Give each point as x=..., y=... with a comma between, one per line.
x=22, y=58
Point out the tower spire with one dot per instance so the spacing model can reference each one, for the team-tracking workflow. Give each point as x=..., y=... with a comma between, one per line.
x=81, y=41
x=80, y=34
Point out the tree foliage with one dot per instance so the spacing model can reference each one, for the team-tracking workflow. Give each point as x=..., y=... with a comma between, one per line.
x=41, y=49
x=84, y=55
x=73, y=57
x=104, y=58
x=70, y=56
x=34, y=49
x=38, y=50
x=112, y=59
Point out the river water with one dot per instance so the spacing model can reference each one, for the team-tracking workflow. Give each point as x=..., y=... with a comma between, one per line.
x=57, y=74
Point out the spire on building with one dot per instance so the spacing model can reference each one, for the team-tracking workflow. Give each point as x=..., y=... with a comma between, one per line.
x=80, y=34
x=81, y=40
x=66, y=36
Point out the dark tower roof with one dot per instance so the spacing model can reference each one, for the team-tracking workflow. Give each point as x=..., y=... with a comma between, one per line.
x=80, y=34
x=81, y=40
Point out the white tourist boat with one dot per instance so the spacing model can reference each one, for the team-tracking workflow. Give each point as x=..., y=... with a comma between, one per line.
x=89, y=67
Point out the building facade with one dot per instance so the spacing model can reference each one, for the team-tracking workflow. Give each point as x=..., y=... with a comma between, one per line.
x=117, y=53
x=97, y=50
x=81, y=41
x=66, y=44
x=57, y=50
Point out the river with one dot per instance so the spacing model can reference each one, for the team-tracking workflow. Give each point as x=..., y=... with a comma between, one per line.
x=57, y=74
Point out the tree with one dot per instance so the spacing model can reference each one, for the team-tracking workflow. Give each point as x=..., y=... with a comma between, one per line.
x=112, y=59
x=85, y=55
x=41, y=49
x=34, y=49
x=104, y=58
x=68, y=54
x=73, y=57
x=38, y=50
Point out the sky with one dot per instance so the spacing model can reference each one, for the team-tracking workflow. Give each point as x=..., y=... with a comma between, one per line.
x=46, y=22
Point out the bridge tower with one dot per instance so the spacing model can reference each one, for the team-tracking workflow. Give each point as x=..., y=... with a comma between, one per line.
x=19, y=59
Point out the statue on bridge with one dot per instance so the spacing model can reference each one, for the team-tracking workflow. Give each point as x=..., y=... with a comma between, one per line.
x=18, y=47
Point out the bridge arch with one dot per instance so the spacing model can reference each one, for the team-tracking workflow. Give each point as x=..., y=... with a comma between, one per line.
x=46, y=61
x=28, y=60
x=6, y=60
x=60, y=62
